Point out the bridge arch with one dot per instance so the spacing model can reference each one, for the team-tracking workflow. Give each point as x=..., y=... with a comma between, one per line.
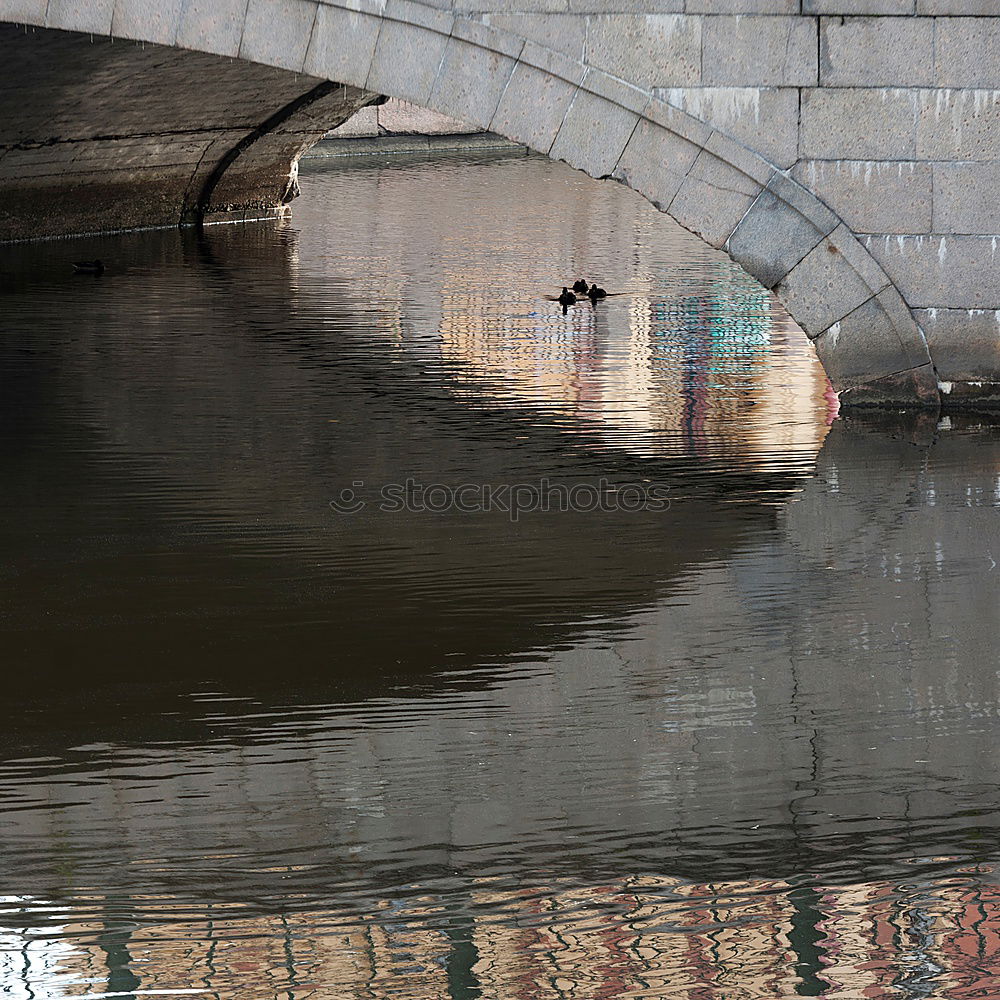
x=727, y=193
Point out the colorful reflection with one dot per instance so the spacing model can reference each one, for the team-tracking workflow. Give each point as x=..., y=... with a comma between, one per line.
x=690, y=355
x=641, y=937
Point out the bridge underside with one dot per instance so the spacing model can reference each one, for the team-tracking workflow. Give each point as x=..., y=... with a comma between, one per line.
x=98, y=135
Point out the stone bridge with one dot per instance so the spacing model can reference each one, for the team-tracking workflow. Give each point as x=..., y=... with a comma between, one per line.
x=844, y=152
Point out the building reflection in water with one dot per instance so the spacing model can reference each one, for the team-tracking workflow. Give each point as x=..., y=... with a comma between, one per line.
x=642, y=936
x=725, y=370
x=704, y=705
x=691, y=356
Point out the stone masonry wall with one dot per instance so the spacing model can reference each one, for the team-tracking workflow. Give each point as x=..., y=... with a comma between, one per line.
x=887, y=110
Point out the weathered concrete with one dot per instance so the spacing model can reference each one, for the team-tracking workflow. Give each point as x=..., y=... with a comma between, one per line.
x=845, y=151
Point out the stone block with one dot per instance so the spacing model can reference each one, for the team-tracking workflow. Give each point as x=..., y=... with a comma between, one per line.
x=533, y=107
x=967, y=198
x=822, y=288
x=655, y=162
x=964, y=343
x=947, y=271
x=772, y=238
x=913, y=388
x=25, y=11
x=958, y=124
x=562, y=32
x=713, y=198
x=363, y=123
x=404, y=118
x=858, y=124
x=742, y=6
x=844, y=242
x=618, y=92
x=626, y=6
x=505, y=6
x=873, y=7
x=342, y=45
x=876, y=52
x=94, y=16
x=872, y=195
x=759, y=51
x=277, y=32
x=419, y=14
x=593, y=134
x=655, y=50
x=487, y=37
x=804, y=202
x=553, y=63
x=406, y=61
x=148, y=20
x=866, y=344
x=910, y=334
x=212, y=26
x=764, y=118
x=968, y=51
x=678, y=121
x=963, y=8
x=470, y=82
x=746, y=161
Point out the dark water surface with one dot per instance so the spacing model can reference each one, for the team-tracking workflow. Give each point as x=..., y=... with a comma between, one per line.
x=731, y=734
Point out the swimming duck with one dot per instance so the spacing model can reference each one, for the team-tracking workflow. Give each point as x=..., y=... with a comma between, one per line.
x=580, y=286
x=88, y=267
x=567, y=298
x=596, y=292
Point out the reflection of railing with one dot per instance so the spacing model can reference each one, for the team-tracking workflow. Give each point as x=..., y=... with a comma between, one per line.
x=641, y=936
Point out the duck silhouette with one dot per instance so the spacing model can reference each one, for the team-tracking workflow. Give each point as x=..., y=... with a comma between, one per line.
x=88, y=267
x=566, y=299
x=596, y=292
x=580, y=286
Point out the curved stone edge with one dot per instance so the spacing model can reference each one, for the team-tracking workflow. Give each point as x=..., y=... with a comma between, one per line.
x=865, y=335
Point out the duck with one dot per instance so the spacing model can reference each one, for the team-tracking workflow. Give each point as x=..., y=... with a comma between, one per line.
x=88, y=267
x=567, y=298
x=580, y=286
x=596, y=292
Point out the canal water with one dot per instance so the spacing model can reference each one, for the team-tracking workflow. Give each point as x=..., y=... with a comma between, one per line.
x=370, y=628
